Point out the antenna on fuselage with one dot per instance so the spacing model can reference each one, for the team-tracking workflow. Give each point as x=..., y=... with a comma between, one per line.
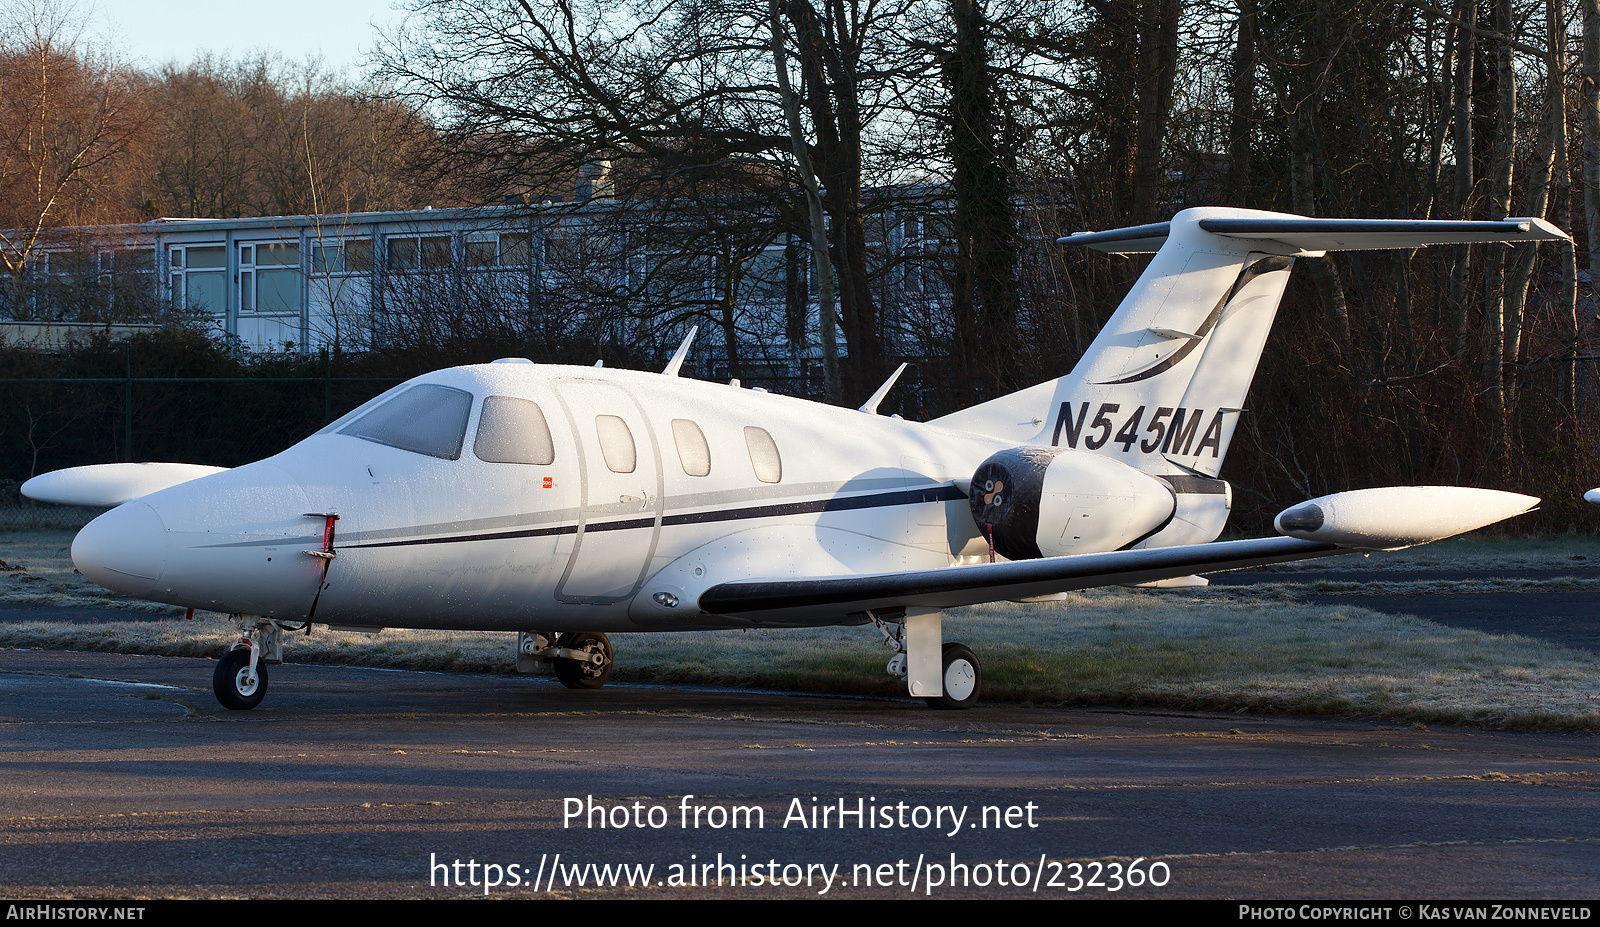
x=600, y=363
x=871, y=405
x=676, y=364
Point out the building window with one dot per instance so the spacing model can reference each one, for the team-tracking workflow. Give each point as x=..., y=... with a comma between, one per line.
x=351, y=256
x=130, y=271
x=200, y=278
x=766, y=277
x=481, y=252
x=516, y=249
x=269, y=277
x=427, y=252
x=506, y=249
x=65, y=266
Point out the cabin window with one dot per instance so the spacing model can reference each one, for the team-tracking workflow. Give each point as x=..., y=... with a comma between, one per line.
x=616, y=443
x=763, y=455
x=693, y=452
x=428, y=419
x=513, y=431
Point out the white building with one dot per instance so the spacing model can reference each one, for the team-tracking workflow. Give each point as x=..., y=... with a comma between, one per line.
x=628, y=273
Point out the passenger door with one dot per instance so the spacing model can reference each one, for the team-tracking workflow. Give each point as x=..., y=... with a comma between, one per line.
x=620, y=502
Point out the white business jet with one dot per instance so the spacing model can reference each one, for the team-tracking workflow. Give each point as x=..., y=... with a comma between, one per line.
x=566, y=502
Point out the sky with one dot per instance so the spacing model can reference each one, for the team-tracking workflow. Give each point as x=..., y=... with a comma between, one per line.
x=150, y=33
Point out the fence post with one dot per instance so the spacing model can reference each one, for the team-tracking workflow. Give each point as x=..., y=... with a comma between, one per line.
x=127, y=409
x=327, y=386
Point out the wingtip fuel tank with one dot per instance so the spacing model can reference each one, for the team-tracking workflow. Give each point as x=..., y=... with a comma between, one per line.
x=1392, y=517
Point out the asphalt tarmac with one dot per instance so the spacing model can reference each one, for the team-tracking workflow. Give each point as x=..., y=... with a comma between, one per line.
x=1570, y=617
x=120, y=777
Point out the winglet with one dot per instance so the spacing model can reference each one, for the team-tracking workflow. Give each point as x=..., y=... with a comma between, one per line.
x=676, y=364
x=871, y=405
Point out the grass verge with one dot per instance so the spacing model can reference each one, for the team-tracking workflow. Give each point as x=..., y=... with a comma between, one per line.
x=1223, y=649
x=1107, y=647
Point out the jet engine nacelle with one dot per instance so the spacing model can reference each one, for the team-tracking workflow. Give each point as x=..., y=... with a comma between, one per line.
x=1052, y=501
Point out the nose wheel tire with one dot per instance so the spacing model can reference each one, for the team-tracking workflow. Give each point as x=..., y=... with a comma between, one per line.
x=231, y=682
x=962, y=678
x=589, y=673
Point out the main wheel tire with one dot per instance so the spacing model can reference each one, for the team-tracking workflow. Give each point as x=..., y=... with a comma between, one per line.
x=962, y=678
x=228, y=682
x=584, y=674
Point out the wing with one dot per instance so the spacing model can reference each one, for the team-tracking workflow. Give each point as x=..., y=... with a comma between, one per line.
x=826, y=600
x=1381, y=518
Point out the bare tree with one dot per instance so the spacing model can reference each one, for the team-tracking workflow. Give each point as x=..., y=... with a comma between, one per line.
x=70, y=121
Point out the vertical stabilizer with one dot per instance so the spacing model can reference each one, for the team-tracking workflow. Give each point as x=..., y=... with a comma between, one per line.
x=1164, y=383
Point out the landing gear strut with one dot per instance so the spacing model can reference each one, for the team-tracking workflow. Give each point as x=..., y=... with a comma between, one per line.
x=945, y=675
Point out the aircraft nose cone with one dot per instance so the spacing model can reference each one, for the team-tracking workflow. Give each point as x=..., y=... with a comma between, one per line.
x=124, y=550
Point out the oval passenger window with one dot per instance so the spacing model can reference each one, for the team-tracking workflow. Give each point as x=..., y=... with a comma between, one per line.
x=616, y=443
x=763, y=454
x=693, y=452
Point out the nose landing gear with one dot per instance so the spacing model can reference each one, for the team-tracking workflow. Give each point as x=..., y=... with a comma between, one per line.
x=239, y=685
x=240, y=679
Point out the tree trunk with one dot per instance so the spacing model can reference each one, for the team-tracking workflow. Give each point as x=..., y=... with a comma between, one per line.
x=1494, y=304
x=1537, y=202
x=1242, y=95
x=1591, y=132
x=986, y=301
x=1158, y=65
x=816, y=226
x=1302, y=186
x=829, y=93
x=1466, y=44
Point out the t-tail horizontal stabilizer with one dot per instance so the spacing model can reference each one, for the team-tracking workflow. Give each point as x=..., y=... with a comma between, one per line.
x=1297, y=235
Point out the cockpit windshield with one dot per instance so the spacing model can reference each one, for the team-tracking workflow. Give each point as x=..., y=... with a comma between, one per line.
x=428, y=419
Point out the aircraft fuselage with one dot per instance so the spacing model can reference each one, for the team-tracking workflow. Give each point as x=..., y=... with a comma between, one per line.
x=597, y=538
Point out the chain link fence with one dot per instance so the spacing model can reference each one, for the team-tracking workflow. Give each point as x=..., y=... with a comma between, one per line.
x=20, y=514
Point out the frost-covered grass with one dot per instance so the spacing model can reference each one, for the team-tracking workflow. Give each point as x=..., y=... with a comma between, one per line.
x=1472, y=552
x=1238, y=650
x=36, y=569
x=1120, y=647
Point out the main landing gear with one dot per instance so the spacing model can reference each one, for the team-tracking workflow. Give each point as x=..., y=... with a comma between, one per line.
x=240, y=679
x=581, y=659
x=945, y=675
